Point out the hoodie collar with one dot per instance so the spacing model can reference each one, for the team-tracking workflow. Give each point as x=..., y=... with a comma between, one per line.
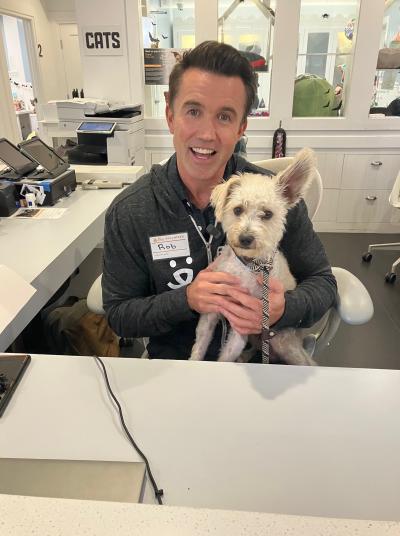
x=235, y=164
x=172, y=193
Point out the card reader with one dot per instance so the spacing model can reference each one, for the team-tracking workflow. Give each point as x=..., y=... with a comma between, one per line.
x=100, y=184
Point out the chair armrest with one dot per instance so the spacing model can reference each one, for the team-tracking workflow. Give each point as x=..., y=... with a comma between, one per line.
x=95, y=297
x=394, y=197
x=354, y=305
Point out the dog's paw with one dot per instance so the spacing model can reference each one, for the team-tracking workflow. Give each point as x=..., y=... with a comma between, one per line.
x=226, y=357
x=195, y=356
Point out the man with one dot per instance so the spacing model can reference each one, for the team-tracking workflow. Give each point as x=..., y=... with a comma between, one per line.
x=160, y=235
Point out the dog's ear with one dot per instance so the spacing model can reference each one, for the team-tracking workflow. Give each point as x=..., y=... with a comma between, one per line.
x=296, y=178
x=221, y=194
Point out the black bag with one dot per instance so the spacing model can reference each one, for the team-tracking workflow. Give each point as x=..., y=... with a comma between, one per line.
x=74, y=330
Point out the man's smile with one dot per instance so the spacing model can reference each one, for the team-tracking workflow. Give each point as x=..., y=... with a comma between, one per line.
x=202, y=153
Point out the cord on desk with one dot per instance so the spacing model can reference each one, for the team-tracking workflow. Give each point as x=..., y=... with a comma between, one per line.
x=157, y=492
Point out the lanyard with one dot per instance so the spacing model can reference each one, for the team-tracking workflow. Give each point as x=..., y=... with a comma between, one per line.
x=209, y=261
x=205, y=242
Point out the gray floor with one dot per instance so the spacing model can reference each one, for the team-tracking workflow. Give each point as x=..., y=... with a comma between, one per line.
x=376, y=344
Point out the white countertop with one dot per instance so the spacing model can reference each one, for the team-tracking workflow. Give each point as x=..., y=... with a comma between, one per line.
x=29, y=246
x=312, y=441
x=23, y=516
x=46, y=252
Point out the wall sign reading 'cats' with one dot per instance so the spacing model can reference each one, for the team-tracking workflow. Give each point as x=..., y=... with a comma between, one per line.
x=102, y=40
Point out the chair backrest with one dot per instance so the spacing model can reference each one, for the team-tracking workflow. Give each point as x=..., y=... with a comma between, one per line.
x=95, y=297
x=313, y=195
x=394, y=198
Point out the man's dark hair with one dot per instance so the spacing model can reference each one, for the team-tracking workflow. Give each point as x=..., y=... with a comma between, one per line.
x=217, y=58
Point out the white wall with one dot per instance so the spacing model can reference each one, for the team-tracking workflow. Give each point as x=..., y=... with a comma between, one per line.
x=116, y=77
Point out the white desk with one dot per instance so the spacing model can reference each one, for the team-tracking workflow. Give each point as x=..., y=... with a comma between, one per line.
x=46, y=252
x=278, y=439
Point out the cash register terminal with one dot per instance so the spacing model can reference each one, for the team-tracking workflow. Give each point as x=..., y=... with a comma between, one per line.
x=40, y=152
x=33, y=167
x=18, y=163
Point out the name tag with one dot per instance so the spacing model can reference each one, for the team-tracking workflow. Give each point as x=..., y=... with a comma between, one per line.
x=169, y=246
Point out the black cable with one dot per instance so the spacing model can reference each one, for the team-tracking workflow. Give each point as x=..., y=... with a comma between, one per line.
x=157, y=492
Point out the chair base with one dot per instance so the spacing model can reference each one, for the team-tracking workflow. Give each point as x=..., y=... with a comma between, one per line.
x=395, y=265
x=390, y=276
x=393, y=245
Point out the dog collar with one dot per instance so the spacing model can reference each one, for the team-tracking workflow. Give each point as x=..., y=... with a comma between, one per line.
x=257, y=265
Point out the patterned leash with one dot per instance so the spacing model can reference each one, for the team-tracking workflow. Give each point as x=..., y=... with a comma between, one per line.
x=265, y=268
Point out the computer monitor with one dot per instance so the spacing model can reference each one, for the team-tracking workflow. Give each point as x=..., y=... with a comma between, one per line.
x=44, y=155
x=12, y=156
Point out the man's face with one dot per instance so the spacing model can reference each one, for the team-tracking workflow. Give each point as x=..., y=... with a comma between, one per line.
x=206, y=121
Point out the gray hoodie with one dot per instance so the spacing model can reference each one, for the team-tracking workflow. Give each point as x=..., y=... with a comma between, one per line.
x=146, y=297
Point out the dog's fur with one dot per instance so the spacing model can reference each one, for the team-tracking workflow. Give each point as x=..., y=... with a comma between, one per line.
x=252, y=209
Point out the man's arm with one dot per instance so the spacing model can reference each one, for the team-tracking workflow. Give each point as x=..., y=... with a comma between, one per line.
x=132, y=307
x=316, y=289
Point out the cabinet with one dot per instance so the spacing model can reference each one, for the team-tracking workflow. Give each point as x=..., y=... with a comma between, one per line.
x=375, y=171
x=367, y=181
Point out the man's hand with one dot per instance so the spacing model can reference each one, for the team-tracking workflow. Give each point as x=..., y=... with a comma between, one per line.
x=244, y=312
x=210, y=291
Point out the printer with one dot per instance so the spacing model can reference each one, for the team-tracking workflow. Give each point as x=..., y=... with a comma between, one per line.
x=106, y=132
x=34, y=167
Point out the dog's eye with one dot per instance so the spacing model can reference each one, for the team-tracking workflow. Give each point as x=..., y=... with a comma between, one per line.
x=267, y=215
x=237, y=211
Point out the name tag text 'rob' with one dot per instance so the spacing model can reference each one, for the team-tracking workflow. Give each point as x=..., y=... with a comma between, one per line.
x=169, y=246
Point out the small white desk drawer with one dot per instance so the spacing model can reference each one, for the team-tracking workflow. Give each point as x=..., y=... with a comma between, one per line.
x=370, y=171
x=364, y=206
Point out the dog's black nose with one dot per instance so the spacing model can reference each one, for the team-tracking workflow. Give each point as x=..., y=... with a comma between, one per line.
x=246, y=240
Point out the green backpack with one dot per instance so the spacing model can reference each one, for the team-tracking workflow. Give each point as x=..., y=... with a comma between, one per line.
x=314, y=97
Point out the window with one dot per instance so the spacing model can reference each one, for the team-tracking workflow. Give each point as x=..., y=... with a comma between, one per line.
x=249, y=27
x=386, y=94
x=316, y=55
x=327, y=37
x=168, y=27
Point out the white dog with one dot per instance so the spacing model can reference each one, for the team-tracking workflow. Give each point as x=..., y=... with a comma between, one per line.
x=252, y=209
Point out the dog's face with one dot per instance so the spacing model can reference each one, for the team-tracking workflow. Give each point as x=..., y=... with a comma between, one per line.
x=252, y=208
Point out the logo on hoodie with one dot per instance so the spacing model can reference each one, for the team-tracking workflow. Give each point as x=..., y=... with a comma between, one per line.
x=182, y=276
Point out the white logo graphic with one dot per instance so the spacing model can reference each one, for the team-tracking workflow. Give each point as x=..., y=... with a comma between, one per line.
x=183, y=276
x=219, y=250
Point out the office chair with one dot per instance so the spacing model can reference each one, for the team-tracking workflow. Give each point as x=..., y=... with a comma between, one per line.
x=94, y=300
x=394, y=200
x=354, y=305
x=95, y=297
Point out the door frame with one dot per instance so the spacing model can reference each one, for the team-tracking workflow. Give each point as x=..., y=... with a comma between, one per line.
x=6, y=106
